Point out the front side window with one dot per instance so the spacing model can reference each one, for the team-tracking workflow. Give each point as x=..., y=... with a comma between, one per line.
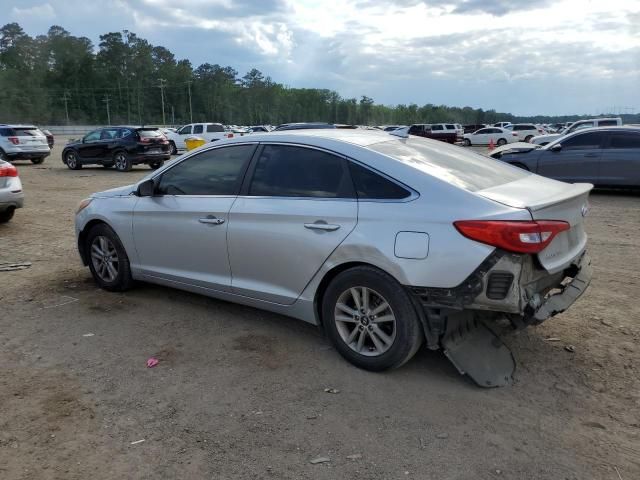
x=372, y=186
x=586, y=141
x=214, y=172
x=197, y=129
x=92, y=136
x=186, y=130
x=291, y=171
x=625, y=140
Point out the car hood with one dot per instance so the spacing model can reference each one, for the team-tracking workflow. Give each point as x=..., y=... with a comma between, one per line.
x=549, y=137
x=116, y=192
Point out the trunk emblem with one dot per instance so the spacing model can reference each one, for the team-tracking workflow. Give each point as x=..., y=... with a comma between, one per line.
x=585, y=209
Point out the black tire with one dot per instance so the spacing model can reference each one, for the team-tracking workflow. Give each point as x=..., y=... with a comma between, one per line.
x=156, y=165
x=408, y=331
x=501, y=142
x=3, y=156
x=528, y=138
x=7, y=215
x=467, y=142
x=174, y=149
x=520, y=165
x=37, y=161
x=71, y=160
x=122, y=161
x=122, y=280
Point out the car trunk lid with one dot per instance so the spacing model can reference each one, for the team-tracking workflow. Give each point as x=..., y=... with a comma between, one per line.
x=548, y=199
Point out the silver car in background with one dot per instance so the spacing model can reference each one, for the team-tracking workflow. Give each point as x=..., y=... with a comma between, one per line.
x=11, y=194
x=386, y=242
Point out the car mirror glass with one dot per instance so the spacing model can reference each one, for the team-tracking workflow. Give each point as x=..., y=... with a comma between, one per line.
x=146, y=188
x=556, y=148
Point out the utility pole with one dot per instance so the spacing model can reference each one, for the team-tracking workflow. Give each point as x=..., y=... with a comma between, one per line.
x=190, y=108
x=173, y=116
x=162, y=87
x=65, y=99
x=106, y=100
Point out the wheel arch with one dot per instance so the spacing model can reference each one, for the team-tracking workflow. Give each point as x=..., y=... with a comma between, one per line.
x=82, y=237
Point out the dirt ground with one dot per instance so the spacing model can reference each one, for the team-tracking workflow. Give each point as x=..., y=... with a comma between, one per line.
x=240, y=393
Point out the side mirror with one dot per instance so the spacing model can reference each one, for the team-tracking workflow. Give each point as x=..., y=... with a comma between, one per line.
x=556, y=148
x=146, y=188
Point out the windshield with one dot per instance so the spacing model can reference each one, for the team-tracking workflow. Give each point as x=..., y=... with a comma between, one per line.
x=460, y=167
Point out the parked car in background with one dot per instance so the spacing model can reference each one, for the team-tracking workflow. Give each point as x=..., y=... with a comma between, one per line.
x=11, y=194
x=525, y=131
x=488, y=135
x=312, y=126
x=604, y=156
x=470, y=128
x=434, y=131
x=411, y=242
x=23, y=142
x=502, y=124
x=119, y=147
x=50, y=138
x=209, y=132
x=391, y=128
x=580, y=124
x=259, y=129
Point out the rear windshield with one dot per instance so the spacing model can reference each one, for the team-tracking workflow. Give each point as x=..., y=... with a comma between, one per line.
x=21, y=132
x=149, y=133
x=452, y=164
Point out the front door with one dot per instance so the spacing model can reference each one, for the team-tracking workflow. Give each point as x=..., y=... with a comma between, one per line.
x=181, y=233
x=183, y=133
x=576, y=161
x=296, y=209
x=90, y=146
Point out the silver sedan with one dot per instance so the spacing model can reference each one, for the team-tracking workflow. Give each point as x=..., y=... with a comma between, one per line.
x=11, y=194
x=385, y=242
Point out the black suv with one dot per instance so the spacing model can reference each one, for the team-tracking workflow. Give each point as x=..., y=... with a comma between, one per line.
x=122, y=147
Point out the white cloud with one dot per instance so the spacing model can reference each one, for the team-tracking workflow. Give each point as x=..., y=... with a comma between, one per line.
x=41, y=12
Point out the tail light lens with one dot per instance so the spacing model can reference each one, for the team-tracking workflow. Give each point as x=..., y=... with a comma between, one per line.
x=8, y=170
x=229, y=135
x=514, y=134
x=14, y=140
x=513, y=236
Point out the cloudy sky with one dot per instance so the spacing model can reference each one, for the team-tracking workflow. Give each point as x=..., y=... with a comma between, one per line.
x=519, y=56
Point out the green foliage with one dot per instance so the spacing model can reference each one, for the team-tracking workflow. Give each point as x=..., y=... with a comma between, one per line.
x=45, y=79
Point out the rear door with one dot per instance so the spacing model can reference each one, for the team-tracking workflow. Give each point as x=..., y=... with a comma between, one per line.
x=181, y=233
x=297, y=207
x=577, y=161
x=620, y=160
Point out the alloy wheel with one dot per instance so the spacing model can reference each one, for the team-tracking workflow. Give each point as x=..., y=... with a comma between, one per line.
x=120, y=161
x=365, y=321
x=104, y=258
x=72, y=161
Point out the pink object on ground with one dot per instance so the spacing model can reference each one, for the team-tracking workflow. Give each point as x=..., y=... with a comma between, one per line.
x=152, y=362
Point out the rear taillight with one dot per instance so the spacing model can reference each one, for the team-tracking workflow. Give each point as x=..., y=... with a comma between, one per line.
x=8, y=170
x=229, y=135
x=514, y=134
x=145, y=140
x=14, y=140
x=513, y=236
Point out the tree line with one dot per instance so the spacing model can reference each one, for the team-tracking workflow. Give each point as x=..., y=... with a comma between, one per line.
x=59, y=78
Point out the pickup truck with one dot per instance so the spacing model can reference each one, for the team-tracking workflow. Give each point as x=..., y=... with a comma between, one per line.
x=208, y=131
x=436, y=131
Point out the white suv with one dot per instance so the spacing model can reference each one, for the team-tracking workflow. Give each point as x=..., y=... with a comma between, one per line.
x=23, y=142
x=525, y=131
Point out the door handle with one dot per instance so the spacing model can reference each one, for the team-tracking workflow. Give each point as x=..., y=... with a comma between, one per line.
x=322, y=226
x=210, y=219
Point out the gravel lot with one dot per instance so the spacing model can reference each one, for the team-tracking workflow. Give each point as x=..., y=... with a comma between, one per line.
x=240, y=393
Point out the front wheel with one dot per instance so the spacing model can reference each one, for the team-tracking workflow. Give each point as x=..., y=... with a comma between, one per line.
x=71, y=159
x=37, y=161
x=156, y=165
x=528, y=138
x=501, y=142
x=174, y=149
x=108, y=260
x=7, y=215
x=122, y=161
x=467, y=142
x=370, y=319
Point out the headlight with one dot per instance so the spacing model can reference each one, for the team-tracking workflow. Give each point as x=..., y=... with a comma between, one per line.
x=83, y=204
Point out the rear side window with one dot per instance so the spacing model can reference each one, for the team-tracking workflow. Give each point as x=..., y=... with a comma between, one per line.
x=27, y=132
x=198, y=129
x=437, y=127
x=625, y=140
x=290, y=171
x=5, y=132
x=185, y=130
x=215, y=128
x=454, y=165
x=586, y=141
x=214, y=172
x=150, y=133
x=372, y=186
x=607, y=123
x=450, y=126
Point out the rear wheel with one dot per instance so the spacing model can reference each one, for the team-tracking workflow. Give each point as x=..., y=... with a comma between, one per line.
x=122, y=161
x=108, y=260
x=501, y=142
x=174, y=149
x=370, y=319
x=7, y=215
x=156, y=165
x=467, y=142
x=71, y=159
x=37, y=161
x=528, y=138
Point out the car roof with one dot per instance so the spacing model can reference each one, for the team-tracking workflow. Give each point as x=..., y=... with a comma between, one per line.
x=13, y=125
